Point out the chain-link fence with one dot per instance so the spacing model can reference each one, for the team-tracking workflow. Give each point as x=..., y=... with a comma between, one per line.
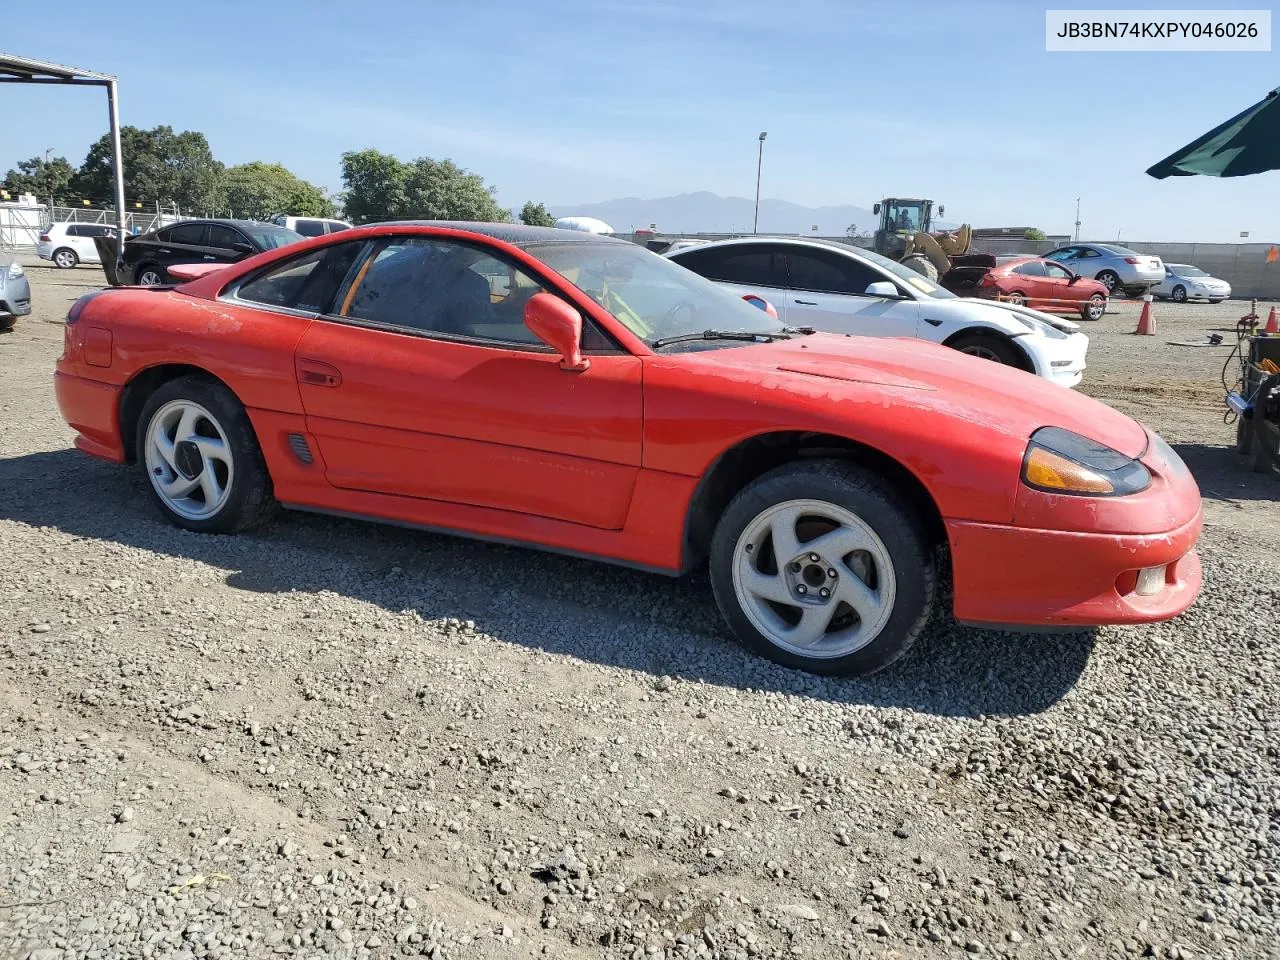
x=21, y=224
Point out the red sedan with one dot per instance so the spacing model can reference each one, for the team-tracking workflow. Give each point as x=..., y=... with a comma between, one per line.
x=579, y=394
x=1043, y=285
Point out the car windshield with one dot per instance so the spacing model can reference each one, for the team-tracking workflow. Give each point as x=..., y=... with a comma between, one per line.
x=1186, y=270
x=1121, y=251
x=268, y=236
x=650, y=295
x=918, y=282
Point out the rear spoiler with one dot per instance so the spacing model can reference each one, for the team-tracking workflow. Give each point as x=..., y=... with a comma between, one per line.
x=194, y=271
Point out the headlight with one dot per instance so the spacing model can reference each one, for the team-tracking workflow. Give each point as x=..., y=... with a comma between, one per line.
x=1044, y=326
x=1059, y=461
x=15, y=270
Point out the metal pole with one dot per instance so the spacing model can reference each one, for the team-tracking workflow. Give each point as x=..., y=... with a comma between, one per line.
x=755, y=223
x=117, y=161
x=1077, y=240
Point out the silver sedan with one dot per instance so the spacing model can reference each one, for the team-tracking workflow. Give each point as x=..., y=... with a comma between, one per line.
x=15, y=292
x=1184, y=282
x=1119, y=269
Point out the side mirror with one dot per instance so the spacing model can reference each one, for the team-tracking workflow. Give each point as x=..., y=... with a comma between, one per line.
x=762, y=303
x=559, y=326
x=883, y=288
x=242, y=247
x=1074, y=278
x=875, y=208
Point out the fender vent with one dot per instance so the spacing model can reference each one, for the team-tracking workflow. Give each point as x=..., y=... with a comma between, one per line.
x=298, y=444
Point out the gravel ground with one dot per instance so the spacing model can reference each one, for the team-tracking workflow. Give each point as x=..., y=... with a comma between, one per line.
x=336, y=739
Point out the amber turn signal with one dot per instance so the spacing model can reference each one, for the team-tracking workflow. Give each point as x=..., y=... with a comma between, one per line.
x=1047, y=470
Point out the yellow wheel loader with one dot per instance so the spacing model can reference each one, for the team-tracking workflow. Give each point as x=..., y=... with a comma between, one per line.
x=904, y=235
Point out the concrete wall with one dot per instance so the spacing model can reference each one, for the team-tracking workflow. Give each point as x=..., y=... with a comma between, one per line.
x=1243, y=265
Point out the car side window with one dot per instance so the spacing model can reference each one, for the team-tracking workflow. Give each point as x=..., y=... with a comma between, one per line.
x=1063, y=254
x=825, y=272
x=1086, y=253
x=75, y=230
x=188, y=233
x=163, y=236
x=751, y=266
x=224, y=237
x=442, y=287
x=308, y=283
x=1032, y=268
x=337, y=227
x=309, y=228
x=1057, y=272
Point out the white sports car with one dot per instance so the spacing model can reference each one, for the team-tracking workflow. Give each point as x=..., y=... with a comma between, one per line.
x=844, y=289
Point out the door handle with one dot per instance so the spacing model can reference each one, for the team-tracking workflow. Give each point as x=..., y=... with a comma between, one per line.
x=316, y=373
x=807, y=303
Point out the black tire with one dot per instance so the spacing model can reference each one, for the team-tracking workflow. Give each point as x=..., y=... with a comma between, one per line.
x=1179, y=294
x=7, y=324
x=1244, y=436
x=1017, y=298
x=64, y=258
x=871, y=499
x=989, y=346
x=1095, y=309
x=1260, y=457
x=250, y=501
x=141, y=271
x=1109, y=279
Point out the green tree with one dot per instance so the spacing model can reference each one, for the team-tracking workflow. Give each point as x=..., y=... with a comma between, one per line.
x=536, y=215
x=1035, y=233
x=159, y=165
x=258, y=191
x=42, y=179
x=381, y=187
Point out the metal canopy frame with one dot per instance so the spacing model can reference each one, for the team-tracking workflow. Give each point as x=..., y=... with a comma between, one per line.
x=15, y=69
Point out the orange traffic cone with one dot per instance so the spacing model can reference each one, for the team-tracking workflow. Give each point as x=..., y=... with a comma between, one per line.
x=1271, y=326
x=1146, y=322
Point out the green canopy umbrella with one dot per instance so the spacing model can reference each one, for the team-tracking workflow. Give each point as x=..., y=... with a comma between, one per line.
x=1248, y=143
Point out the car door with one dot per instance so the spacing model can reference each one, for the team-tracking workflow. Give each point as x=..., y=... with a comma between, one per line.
x=185, y=243
x=828, y=292
x=1059, y=287
x=226, y=244
x=759, y=269
x=421, y=382
x=1028, y=279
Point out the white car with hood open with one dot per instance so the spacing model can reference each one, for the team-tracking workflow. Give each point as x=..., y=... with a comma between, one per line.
x=845, y=289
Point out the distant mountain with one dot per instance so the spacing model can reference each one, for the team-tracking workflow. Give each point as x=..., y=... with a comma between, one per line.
x=705, y=212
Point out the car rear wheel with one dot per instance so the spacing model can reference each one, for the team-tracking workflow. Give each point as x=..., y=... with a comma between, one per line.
x=65, y=258
x=988, y=347
x=1179, y=294
x=820, y=566
x=149, y=275
x=201, y=458
x=1095, y=308
x=1109, y=279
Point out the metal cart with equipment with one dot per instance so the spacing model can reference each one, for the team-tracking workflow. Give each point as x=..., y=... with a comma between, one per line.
x=1256, y=401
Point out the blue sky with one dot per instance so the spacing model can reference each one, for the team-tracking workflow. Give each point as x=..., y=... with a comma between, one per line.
x=570, y=101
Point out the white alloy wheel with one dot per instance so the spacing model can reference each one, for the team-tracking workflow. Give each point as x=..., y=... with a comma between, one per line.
x=189, y=460
x=814, y=579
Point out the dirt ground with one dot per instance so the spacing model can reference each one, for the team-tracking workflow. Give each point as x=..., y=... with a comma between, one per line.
x=329, y=738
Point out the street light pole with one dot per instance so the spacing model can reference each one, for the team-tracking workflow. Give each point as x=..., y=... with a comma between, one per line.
x=1077, y=240
x=755, y=224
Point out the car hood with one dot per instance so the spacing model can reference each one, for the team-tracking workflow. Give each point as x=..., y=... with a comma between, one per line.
x=982, y=392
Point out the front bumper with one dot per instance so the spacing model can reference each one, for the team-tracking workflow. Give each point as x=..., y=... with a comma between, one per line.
x=1012, y=576
x=1061, y=360
x=15, y=297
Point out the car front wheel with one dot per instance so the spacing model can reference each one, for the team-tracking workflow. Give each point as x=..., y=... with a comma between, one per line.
x=988, y=346
x=820, y=566
x=1179, y=294
x=1095, y=308
x=201, y=458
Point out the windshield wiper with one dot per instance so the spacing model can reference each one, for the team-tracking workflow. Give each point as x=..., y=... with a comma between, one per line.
x=722, y=335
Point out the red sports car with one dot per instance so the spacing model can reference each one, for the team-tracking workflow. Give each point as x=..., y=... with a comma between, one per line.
x=580, y=394
x=1039, y=283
